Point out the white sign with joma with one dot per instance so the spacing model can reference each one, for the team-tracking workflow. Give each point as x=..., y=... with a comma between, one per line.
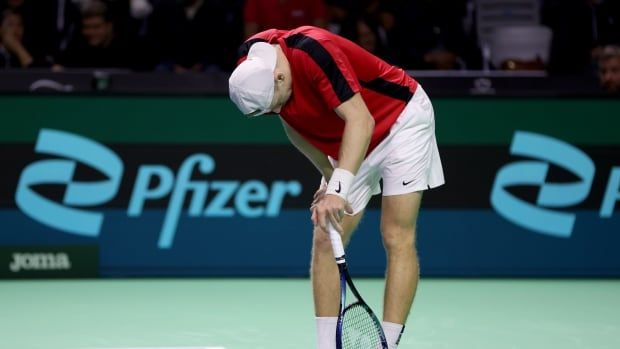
x=39, y=261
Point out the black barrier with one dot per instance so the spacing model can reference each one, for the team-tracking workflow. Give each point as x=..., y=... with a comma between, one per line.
x=437, y=84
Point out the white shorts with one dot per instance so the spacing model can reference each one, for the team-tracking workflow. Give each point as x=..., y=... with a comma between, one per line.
x=407, y=159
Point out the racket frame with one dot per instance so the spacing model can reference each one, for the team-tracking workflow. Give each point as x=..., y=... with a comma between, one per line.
x=345, y=279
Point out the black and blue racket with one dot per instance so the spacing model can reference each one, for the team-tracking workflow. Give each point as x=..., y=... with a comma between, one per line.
x=357, y=327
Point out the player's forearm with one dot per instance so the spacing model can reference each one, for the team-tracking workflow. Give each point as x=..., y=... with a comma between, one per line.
x=319, y=160
x=316, y=157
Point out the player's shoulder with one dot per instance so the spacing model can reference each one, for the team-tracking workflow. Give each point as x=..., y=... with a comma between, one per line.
x=311, y=31
x=266, y=35
x=308, y=31
x=269, y=35
x=314, y=39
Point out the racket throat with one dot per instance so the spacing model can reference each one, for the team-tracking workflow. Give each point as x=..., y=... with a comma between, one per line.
x=343, y=301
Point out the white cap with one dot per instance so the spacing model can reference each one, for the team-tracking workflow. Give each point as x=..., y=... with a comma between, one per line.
x=251, y=84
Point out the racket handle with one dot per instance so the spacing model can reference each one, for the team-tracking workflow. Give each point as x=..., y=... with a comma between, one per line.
x=337, y=246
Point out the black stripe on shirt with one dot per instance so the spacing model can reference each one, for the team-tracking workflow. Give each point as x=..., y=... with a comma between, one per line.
x=325, y=61
x=388, y=88
x=243, y=50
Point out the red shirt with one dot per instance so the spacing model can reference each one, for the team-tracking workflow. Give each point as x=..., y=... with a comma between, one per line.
x=328, y=70
x=283, y=14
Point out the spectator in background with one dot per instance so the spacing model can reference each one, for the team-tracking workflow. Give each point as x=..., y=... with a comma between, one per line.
x=99, y=46
x=260, y=15
x=50, y=27
x=139, y=12
x=140, y=9
x=129, y=17
x=196, y=35
x=13, y=54
x=369, y=23
x=22, y=10
x=580, y=29
x=339, y=15
x=381, y=12
x=366, y=33
x=431, y=35
x=606, y=37
x=606, y=17
x=609, y=68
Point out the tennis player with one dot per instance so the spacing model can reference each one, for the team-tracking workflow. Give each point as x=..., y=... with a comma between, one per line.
x=358, y=120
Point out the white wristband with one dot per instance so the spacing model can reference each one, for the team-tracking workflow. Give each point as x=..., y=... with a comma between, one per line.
x=340, y=183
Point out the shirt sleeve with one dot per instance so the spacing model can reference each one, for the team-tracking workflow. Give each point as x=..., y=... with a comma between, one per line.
x=332, y=73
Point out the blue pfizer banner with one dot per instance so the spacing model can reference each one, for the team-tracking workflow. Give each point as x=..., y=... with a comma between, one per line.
x=538, y=205
x=193, y=211
x=538, y=217
x=66, y=216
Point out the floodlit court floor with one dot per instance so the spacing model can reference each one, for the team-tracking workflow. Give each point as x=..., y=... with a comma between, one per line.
x=278, y=314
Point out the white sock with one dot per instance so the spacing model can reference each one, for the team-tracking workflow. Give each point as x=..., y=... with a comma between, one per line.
x=392, y=333
x=326, y=332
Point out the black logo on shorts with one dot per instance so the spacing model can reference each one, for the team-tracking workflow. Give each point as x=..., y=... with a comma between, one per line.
x=407, y=183
x=339, y=188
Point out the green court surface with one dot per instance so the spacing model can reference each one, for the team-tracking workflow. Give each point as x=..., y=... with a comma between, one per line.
x=277, y=314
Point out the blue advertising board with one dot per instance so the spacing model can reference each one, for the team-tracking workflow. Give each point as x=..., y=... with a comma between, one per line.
x=535, y=204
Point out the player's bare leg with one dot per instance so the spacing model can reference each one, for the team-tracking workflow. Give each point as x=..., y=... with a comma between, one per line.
x=398, y=222
x=324, y=271
x=326, y=282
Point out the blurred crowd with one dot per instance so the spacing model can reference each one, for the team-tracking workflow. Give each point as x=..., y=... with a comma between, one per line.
x=203, y=35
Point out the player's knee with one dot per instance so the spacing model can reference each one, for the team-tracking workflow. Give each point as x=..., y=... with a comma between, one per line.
x=398, y=237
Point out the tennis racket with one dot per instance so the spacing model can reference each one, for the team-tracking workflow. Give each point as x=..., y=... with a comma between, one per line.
x=357, y=327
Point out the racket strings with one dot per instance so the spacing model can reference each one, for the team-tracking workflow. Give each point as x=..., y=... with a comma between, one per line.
x=360, y=329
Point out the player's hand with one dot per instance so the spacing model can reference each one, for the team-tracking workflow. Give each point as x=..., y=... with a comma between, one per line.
x=330, y=209
x=318, y=195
